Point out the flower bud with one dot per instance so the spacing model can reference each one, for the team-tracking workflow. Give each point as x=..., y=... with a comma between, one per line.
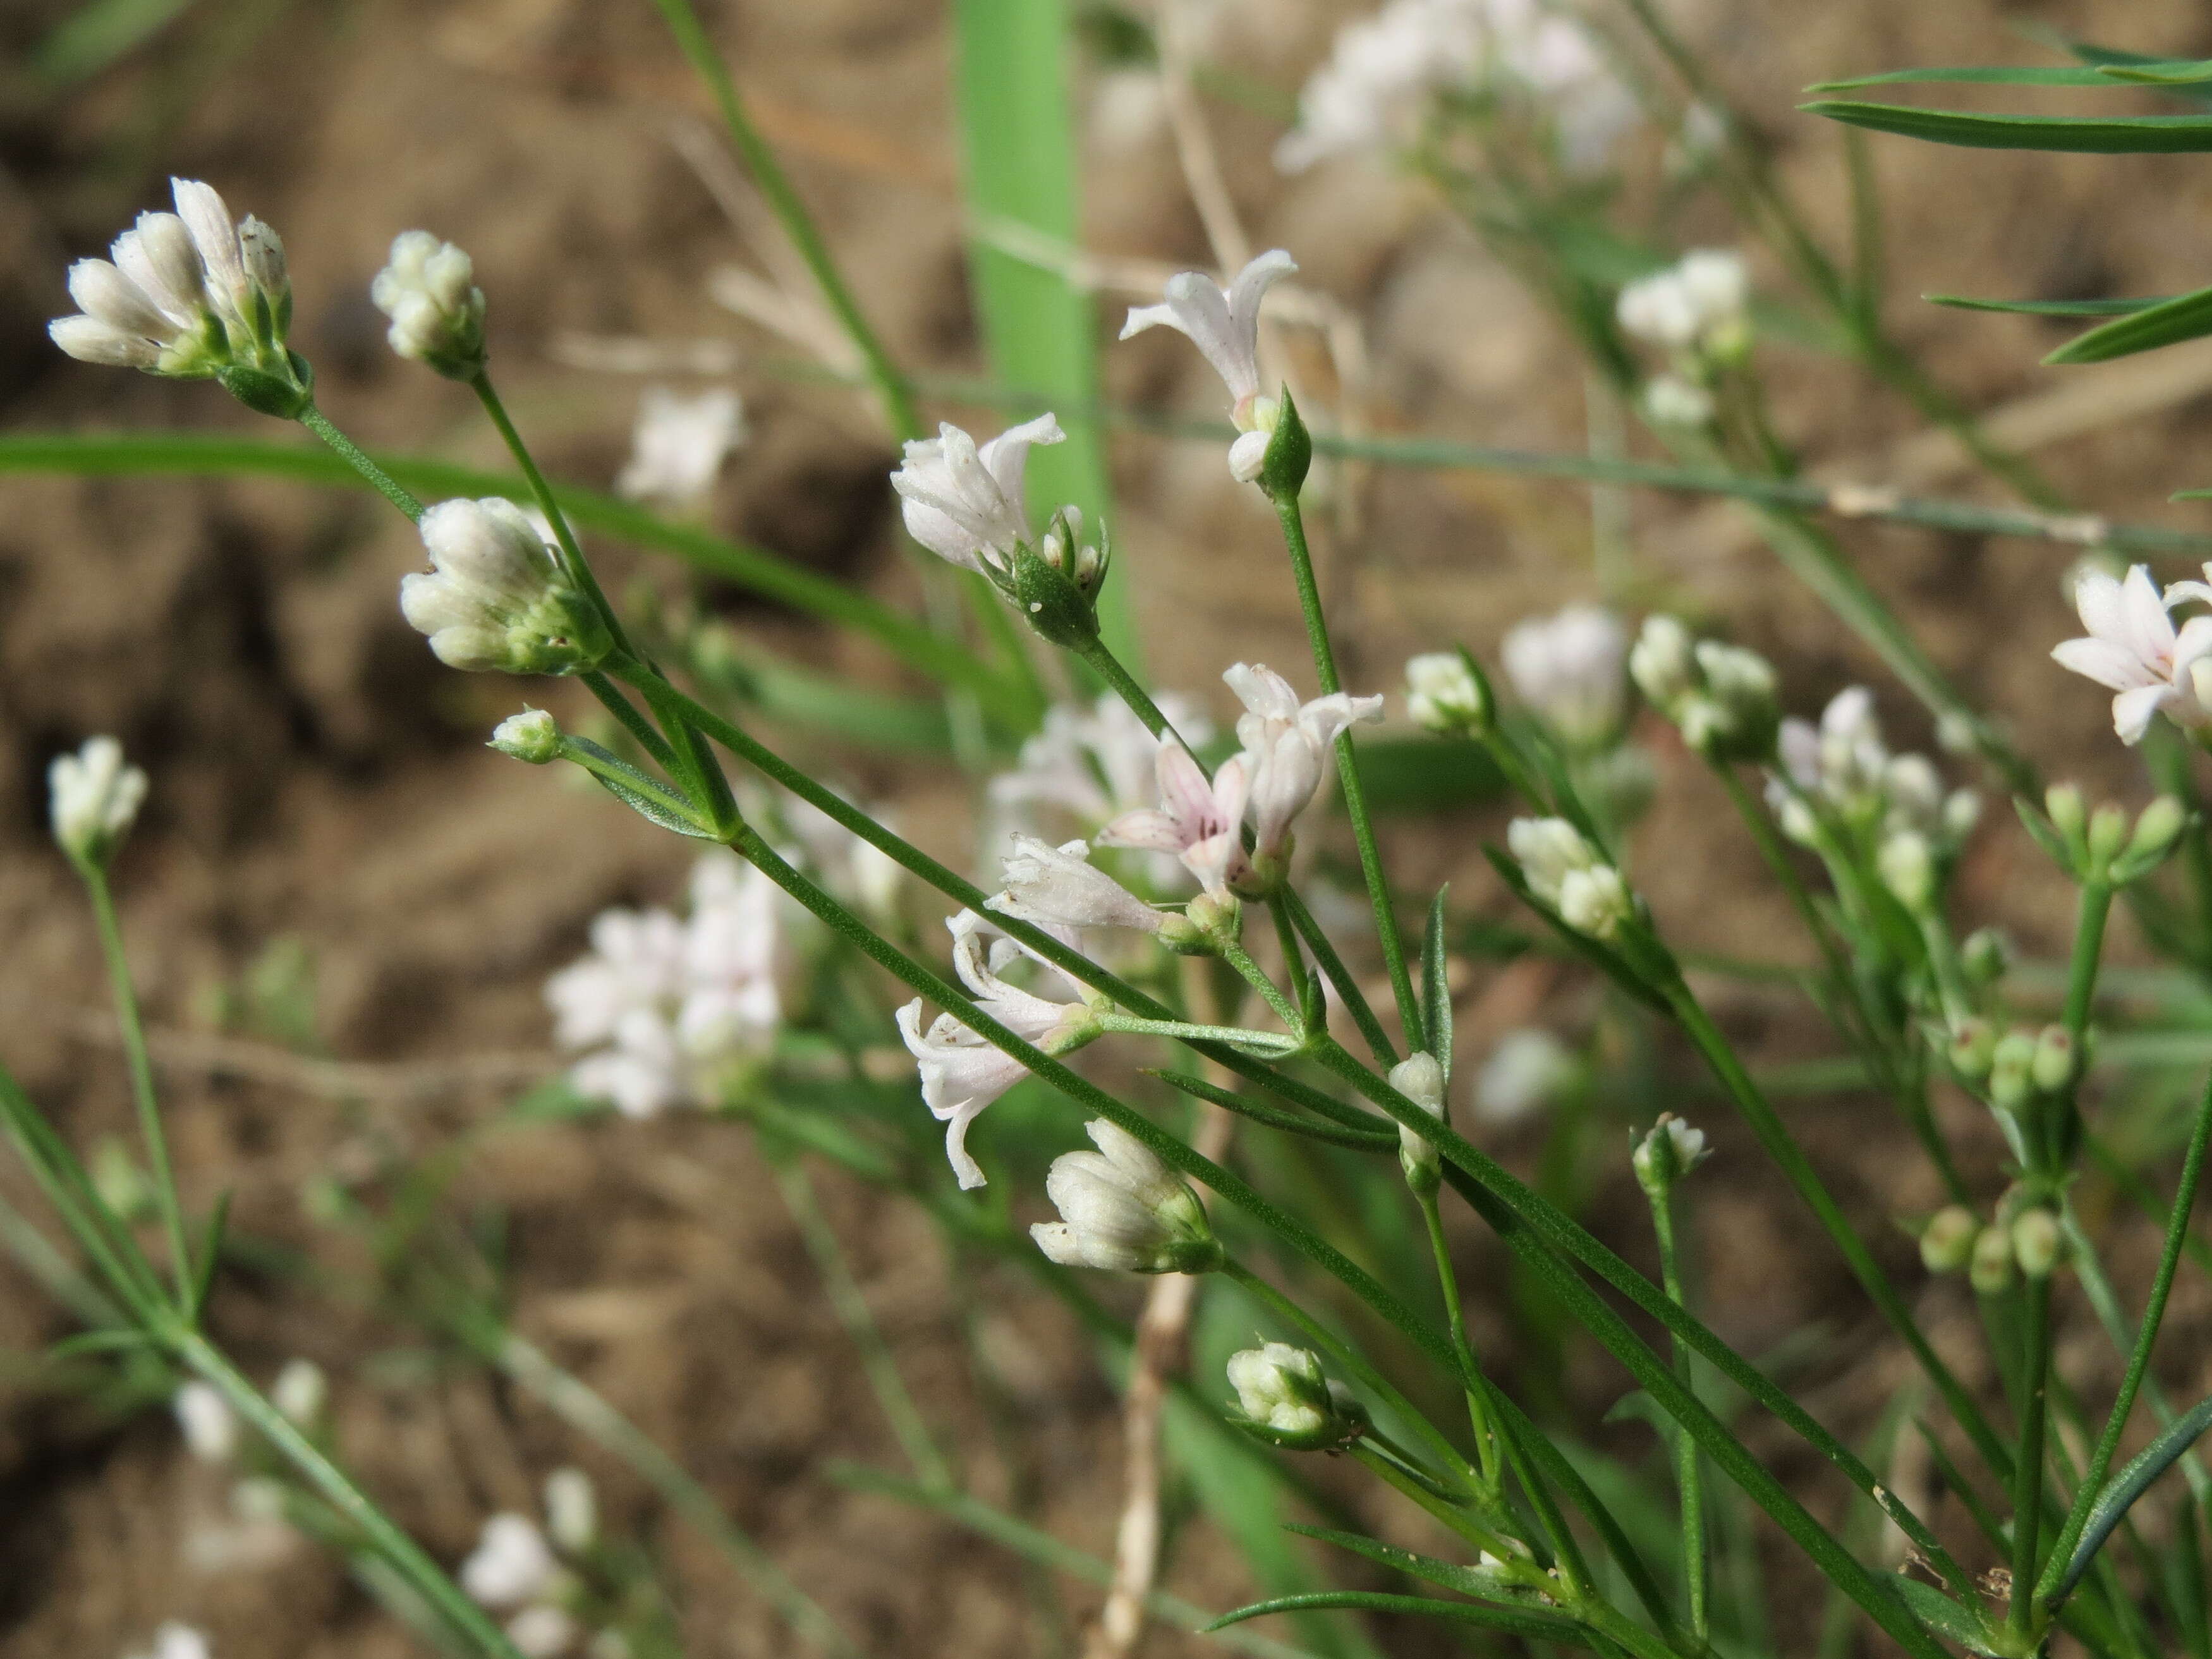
x=533, y=736
x=1123, y=1209
x=2056, y=1060
x=1908, y=869
x=301, y=1392
x=2156, y=831
x=1986, y=956
x=1972, y=1047
x=1421, y=1080
x=1946, y=1243
x=93, y=800
x=210, y=1427
x=2036, y=1242
x=1670, y=1150
x=1988, y=1269
x=1446, y=693
x=428, y=289
x=2108, y=833
x=1662, y=662
x=1286, y=1399
x=572, y=1511
x=1671, y=400
x=2012, y=1066
x=2063, y=802
x=496, y=597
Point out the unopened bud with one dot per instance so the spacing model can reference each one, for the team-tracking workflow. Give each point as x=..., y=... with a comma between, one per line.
x=1446, y=693
x=1595, y=901
x=301, y=1392
x=1989, y=1269
x=533, y=736
x=2056, y=1060
x=2036, y=1242
x=1946, y=1243
x=2108, y=833
x=2156, y=831
x=1972, y=1047
x=1421, y=1080
x=1986, y=956
x=2063, y=801
x=1908, y=869
x=93, y=800
x=1286, y=1399
x=572, y=1511
x=1661, y=663
x=1667, y=1153
x=1124, y=1210
x=2012, y=1071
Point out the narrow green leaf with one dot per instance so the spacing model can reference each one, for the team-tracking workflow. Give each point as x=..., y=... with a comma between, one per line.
x=1436, y=993
x=1364, y=1140
x=1947, y=1618
x=2117, y=135
x=2185, y=317
x=95, y=1342
x=2175, y=72
x=210, y=1255
x=2024, y=75
x=2051, y=307
x=1544, y=1626
x=2133, y=1480
x=1041, y=330
x=1448, y=1575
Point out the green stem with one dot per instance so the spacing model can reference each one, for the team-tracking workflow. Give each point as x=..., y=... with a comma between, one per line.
x=1332, y=966
x=1124, y=685
x=382, y=482
x=680, y=807
x=1687, y=1479
x=422, y=1574
x=572, y=556
x=1256, y=976
x=632, y=722
x=852, y=1310
x=1485, y=1444
x=1347, y=764
x=2108, y=1441
x=2027, y=1469
x=141, y=1067
x=1183, y=1031
x=695, y=764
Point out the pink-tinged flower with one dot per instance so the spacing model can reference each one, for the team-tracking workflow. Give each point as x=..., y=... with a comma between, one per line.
x=2133, y=648
x=1201, y=823
x=1059, y=887
x=1224, y=323
x=1286, y=746
x=963, y=501
x=962, y=1073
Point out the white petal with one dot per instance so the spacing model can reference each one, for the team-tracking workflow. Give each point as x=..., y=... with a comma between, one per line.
x=2132, y=711
x=2106, y=664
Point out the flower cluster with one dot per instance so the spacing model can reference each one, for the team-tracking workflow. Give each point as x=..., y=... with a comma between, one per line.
x=2133, y=648
x=1123, y=1210
x=534, y=1574
x=1722, y=697
x=1446, y=693
x=1286, y=1399
x=428, y=289
x=962, y=1072
x=670, y=1008
x=679, y=445
x=93, y=800
x=1387, y=73
x=1571, y=876
x=191, y=295
x=496, y=598
x=1698, y=307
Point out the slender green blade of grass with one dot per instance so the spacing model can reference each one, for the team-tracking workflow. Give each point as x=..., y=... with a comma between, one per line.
x=97, y=34
x=748, y=567
x=2073, y=135
x=2185, y=317
x=2024, y=75
x=1541, y=1626
x=2051, y=307
x=1041, y=330
x=2128, y=1485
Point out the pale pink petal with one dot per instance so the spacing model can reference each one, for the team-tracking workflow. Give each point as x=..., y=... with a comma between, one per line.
x=2103, y=662
x=1148, y=829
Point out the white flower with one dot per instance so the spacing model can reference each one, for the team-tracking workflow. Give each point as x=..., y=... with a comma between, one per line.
x=1567, y=668
x=1565, y=871
x=678, y=445
x=1286, y=746
x=210, y=1427
x=1282, y=1388
x=1443, y=695
x=2133, y=648
x=737, y=960
x=1200, y=822
x=496, y=596
x=1685, y=1147
x=1696, y=305
x=176, y=1641
x=1371, y=91
x=188, y=295
x=1094, y=763
x=572, y=1511
x=1224, y=323
x=1527, y=1071
x=962, y=1073
x=93, y=800
x=301, y=1392
x=533, y=736
x=544, y=1631
x=512, y=1564
x=1123, y=1210
x=637, y=962
x=1059, y=887
x=1421, y=1080
x=1670, y=400
x=428, y=290
x=1843, y=760
x=964, y=502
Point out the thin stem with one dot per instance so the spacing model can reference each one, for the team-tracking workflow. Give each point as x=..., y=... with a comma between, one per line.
x=580, y=570
x=1333, y=968
x=682, y=807
x=1256, y=976
x=1688, y=1480
x=632, y=722
x=1183, y=1031
x=422, y=1573
x=852, y=1310
x=2027, y=1469
x=1485, y=1445
x=143, y=1096
x=382, y=482
x=1124, y=685
x=695, y=762
x=1347, y=766
x=2108, y=1441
